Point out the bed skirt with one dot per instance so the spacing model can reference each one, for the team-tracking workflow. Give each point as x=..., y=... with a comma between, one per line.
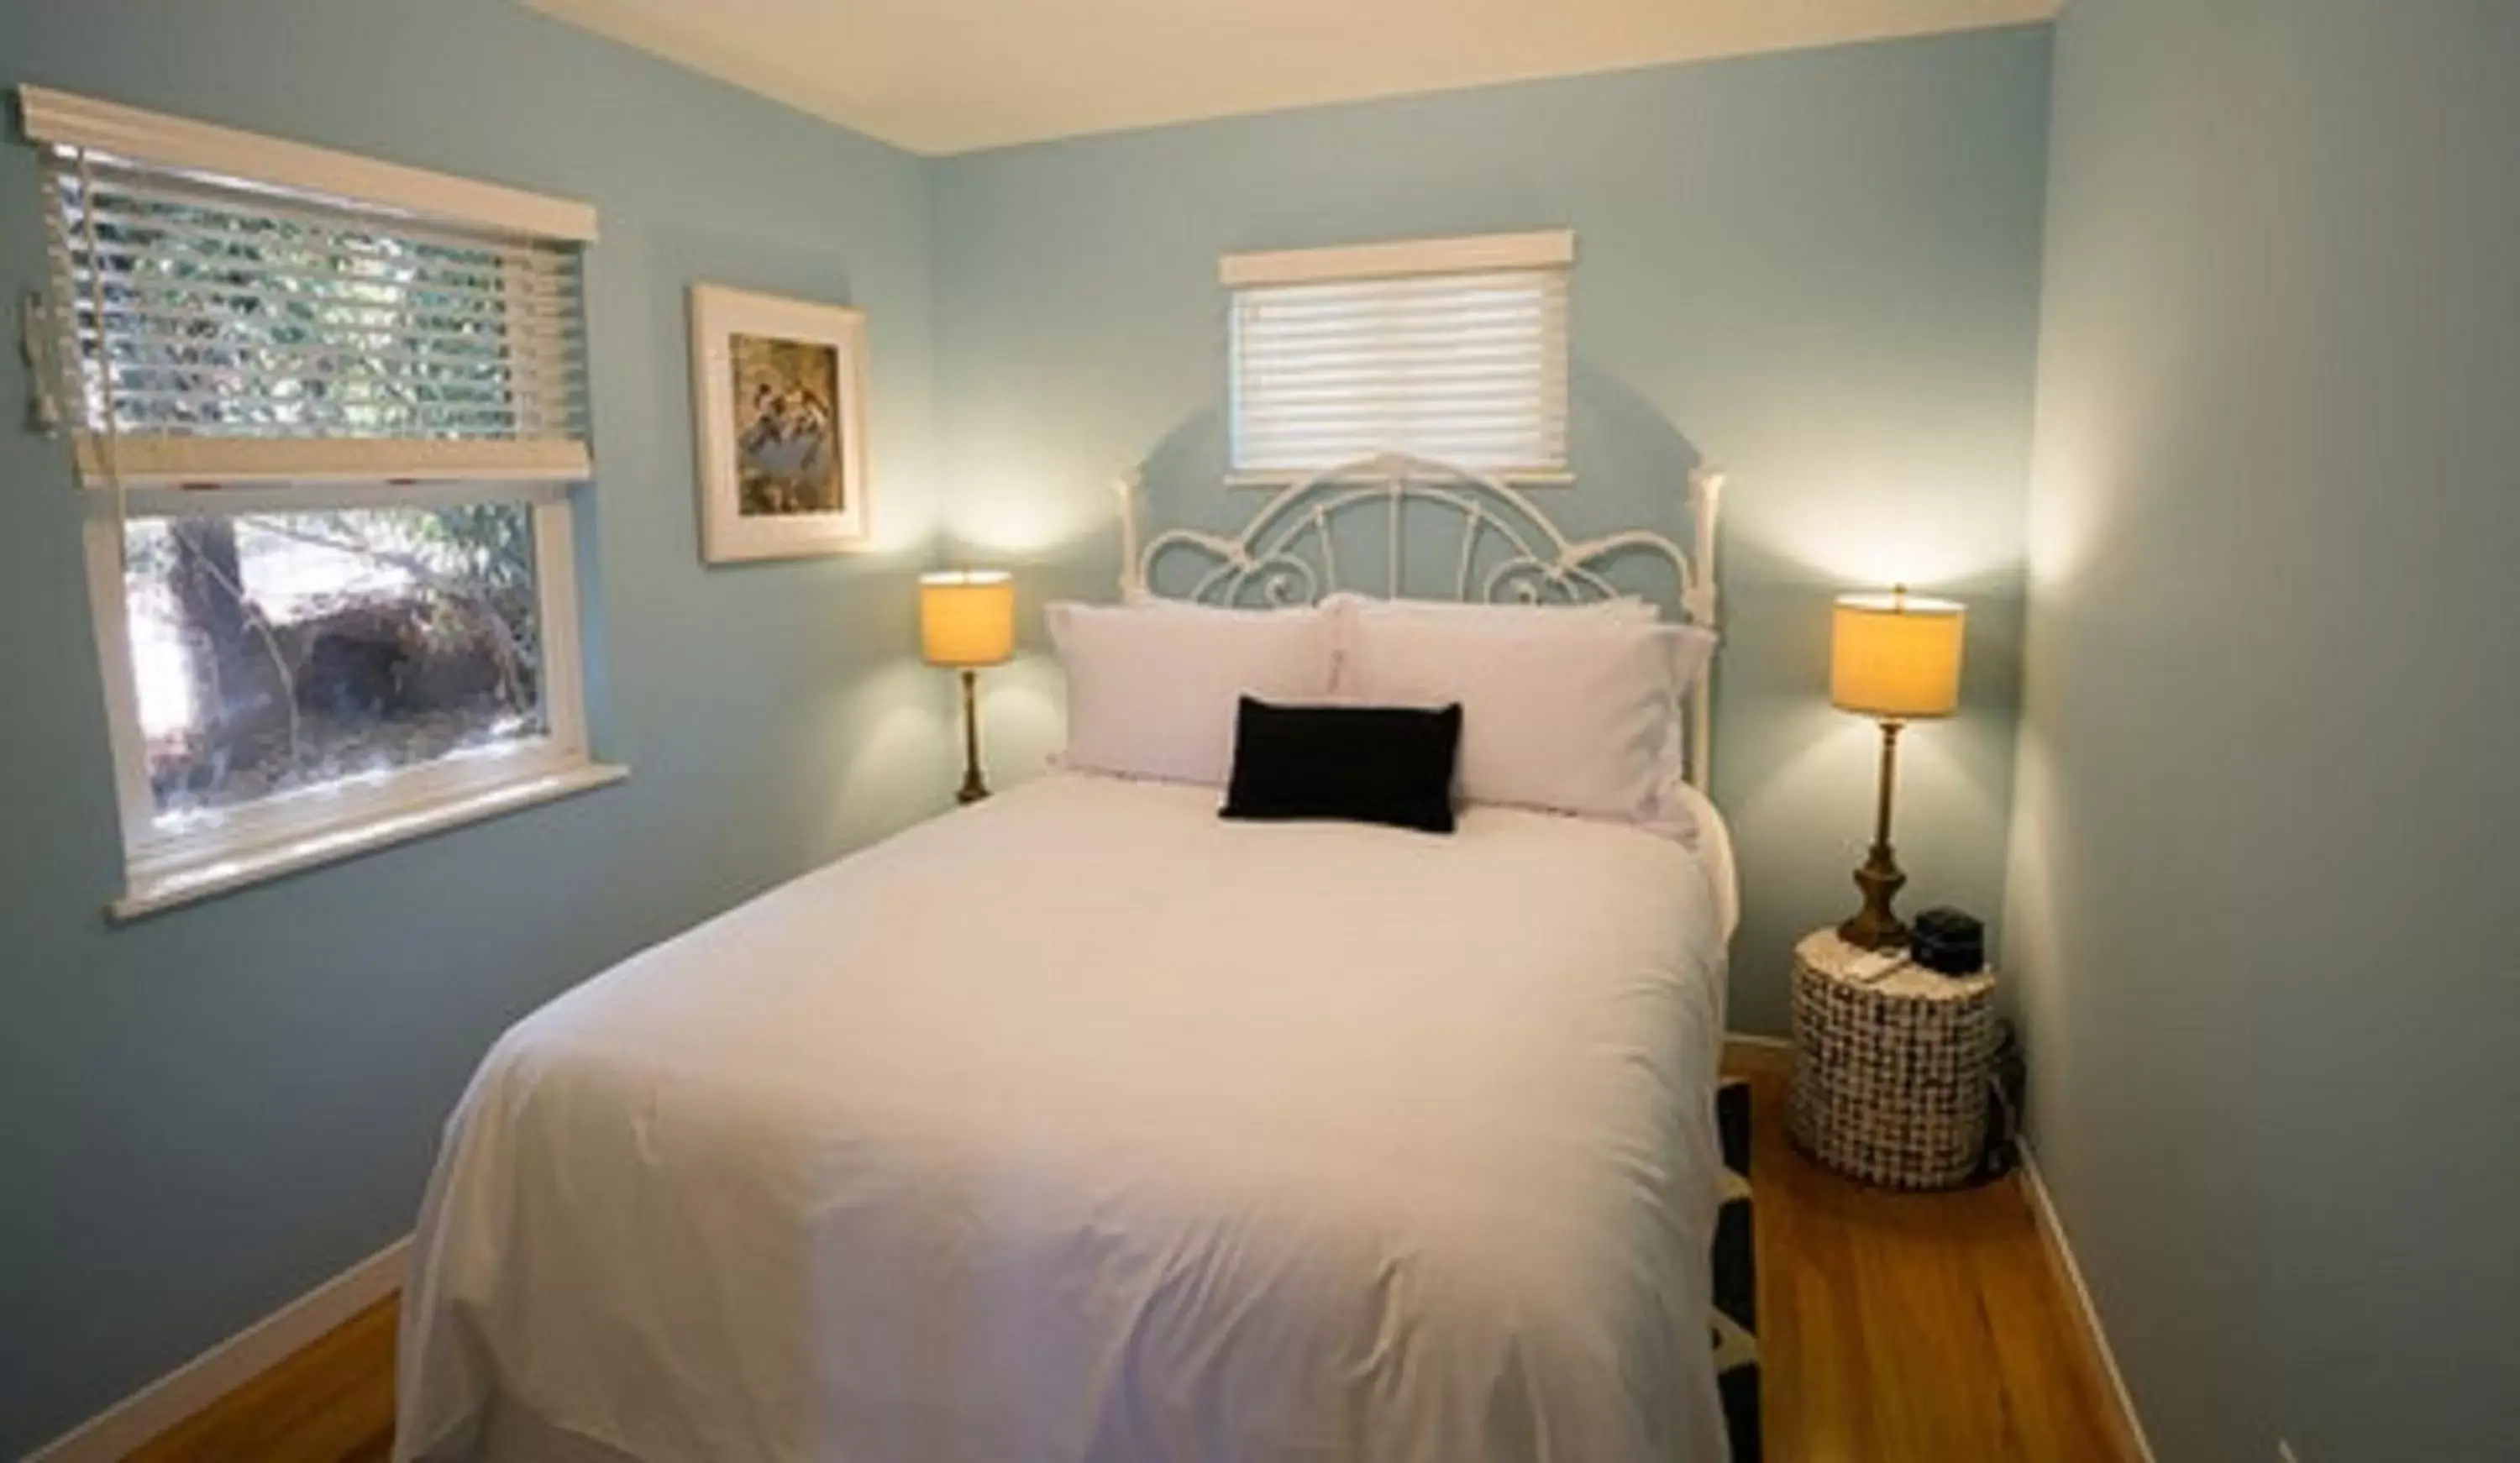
x=513, y=1437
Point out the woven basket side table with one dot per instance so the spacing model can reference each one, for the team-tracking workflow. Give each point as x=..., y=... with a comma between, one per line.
x=1890, y=1076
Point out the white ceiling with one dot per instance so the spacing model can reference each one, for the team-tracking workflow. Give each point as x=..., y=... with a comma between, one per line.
x=950, y=75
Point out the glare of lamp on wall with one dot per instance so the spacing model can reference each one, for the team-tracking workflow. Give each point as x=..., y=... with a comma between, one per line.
x=1894, y=657
x=967, y=620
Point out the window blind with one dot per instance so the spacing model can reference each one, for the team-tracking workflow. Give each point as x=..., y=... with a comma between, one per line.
x=215, y=331
x=1465, y=366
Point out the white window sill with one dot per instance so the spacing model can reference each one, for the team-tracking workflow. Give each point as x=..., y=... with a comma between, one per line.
x=1288, y=477
x=154, y=892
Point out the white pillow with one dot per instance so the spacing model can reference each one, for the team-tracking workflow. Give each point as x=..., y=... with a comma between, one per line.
x=1692, y=647
x=1576, y=713
x=1625, y=608
x=1151, y=692
x=1693, y=650
x=1150, y=600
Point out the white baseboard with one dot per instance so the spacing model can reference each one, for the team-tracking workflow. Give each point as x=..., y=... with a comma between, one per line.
x=228, y=1365
x=2052, y=1228
x=1745, y=1039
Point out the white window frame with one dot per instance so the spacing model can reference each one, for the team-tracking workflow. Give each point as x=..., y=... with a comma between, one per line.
x=1536, y=251
x=214, y=851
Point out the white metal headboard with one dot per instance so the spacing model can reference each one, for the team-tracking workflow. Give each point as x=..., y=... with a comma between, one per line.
x=1509, y=553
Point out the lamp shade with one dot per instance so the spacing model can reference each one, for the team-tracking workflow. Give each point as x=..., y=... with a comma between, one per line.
x=966, y=617
x=1896, y=656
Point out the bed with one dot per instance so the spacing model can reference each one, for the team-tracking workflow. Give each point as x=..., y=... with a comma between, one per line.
x=1081, y=1125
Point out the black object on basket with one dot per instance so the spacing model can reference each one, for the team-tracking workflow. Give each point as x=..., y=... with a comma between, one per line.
x=1948, y=942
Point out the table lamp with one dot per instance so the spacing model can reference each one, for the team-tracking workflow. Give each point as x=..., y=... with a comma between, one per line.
x=967, y=620
x=1894, y=657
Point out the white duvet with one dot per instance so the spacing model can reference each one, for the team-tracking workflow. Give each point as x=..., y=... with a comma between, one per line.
x=1084, y=1125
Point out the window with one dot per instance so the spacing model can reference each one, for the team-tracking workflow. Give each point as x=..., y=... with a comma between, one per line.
x=329, y=412
x=1453, y=349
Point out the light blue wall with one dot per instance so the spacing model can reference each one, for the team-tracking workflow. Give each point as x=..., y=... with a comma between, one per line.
x=205, y=1114
x=2262, y=883
x=1817, y=270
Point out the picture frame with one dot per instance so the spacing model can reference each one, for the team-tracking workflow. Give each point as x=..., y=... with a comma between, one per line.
x=778, y=411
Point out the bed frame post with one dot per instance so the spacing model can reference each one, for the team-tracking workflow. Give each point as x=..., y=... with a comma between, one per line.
x=1704, y=603
x=1125, y=487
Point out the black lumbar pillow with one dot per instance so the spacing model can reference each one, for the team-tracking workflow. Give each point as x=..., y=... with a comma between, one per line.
x=1362, y=764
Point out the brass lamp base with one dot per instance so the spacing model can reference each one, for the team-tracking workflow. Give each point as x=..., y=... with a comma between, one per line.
x=973, y=788
x=1875, y=926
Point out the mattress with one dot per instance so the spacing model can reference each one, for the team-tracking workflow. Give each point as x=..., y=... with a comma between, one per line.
x=1082, y=1124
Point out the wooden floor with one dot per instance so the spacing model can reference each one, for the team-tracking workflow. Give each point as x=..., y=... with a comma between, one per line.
x=1892, y=1329
x=331, y=1402
x=1926, y=1327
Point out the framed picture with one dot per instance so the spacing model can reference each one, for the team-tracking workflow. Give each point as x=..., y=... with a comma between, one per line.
x=780, y=394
